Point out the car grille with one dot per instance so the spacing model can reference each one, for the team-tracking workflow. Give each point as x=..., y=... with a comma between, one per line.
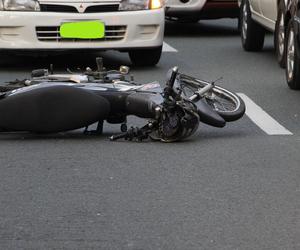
x=58, y=8
x=72, y=9
x=51, y=34
x=102, y=8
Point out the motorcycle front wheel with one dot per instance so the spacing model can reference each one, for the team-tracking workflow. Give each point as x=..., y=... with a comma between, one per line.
x=226, y=103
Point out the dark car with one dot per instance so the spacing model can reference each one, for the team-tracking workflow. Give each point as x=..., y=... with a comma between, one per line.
x=194, y=10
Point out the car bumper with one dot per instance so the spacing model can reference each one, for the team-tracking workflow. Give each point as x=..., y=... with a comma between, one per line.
x=40, y=30
x=211, y=9
x=176, y=7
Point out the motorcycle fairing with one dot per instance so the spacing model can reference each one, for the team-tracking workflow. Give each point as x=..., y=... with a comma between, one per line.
x=208, y=115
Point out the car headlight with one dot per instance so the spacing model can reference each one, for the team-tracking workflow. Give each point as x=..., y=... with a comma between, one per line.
x=21, y=5
x=140, y=4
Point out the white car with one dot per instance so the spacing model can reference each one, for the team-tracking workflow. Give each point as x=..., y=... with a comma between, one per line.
x=281, y=17
x=194, y=10
x=256, y=16
x=134, y=26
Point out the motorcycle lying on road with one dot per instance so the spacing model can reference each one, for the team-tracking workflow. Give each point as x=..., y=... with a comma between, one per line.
x=50, y=103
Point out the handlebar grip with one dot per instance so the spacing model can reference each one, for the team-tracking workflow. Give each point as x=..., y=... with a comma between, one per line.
x=173, y=77
x=117, y=137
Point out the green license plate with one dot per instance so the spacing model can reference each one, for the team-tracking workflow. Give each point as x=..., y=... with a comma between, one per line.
x=83, y=30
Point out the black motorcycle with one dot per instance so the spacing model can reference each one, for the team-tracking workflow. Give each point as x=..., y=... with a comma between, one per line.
x=49, y=103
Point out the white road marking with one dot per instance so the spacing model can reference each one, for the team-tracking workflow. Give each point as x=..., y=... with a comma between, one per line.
x=168, y=48
x=262, y=119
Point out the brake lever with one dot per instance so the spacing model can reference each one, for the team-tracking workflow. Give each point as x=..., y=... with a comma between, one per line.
x=217, y=80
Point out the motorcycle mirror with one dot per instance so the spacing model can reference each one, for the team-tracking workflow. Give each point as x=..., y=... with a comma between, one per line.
x=124, y=70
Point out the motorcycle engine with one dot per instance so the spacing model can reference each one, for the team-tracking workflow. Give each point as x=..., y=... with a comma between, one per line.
x=179, y=122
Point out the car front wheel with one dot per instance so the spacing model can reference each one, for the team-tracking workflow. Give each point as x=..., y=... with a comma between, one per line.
x=145, y=57
x=292, y=57
x=279, y=36
x=252, y=34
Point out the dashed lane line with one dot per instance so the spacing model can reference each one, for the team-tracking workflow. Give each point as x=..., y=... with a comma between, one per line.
x=262, y=119
x=168, y=48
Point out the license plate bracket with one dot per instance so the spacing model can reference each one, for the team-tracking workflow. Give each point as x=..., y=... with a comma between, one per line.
x=82, y=30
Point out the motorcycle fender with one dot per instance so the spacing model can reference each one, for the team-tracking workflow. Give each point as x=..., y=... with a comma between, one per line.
x=208, y=115
x=52, y=109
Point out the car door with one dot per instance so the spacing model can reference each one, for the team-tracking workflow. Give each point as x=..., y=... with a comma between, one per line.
x=255, y=5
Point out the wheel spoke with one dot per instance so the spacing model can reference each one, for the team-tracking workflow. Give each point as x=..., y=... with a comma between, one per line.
x=220, y=103
x=218, y=98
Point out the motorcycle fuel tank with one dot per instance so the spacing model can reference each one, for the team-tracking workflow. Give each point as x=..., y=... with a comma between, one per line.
x=46, y=109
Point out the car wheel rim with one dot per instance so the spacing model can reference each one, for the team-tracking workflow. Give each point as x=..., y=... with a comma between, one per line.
x=290, y=55
x=244, y=21
x=281, y=35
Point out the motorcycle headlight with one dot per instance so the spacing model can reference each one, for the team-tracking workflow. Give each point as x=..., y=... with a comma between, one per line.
x=21, y=5
x=128, y=5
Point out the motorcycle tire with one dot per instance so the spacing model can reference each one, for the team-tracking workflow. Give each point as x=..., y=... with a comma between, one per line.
x=226, y=103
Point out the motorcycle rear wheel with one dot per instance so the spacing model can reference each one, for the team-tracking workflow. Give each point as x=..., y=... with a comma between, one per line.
x=226, y=103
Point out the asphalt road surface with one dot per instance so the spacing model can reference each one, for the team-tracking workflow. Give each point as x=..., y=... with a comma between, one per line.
x=231, y=188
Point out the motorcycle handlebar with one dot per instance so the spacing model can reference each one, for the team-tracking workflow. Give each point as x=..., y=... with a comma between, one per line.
x=172, y=77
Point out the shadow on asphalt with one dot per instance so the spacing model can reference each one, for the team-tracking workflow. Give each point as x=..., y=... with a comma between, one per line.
x=76, y=62
x=62, y=61
x=199, y=137
x=224, y=134
x=76, y=135
x=207, y=28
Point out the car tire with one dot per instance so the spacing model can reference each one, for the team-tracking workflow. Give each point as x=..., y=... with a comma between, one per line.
x=292, y=70
x=252, y=34
x=279, y=36
x=145, y=57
